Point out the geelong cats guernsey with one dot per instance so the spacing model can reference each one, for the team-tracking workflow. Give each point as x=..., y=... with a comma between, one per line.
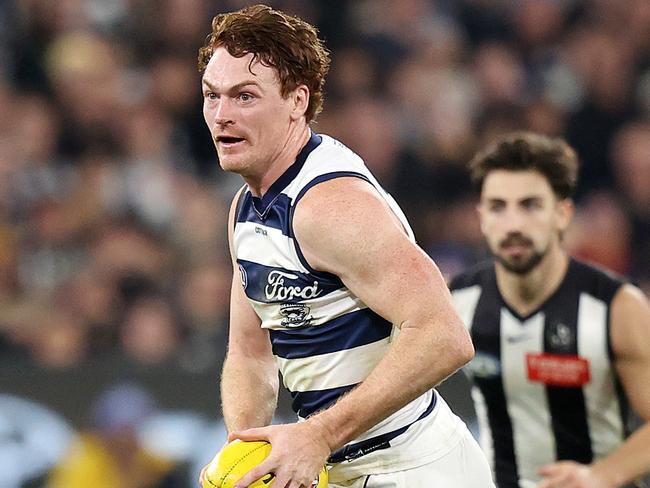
x=324, y=338
x=545, y=388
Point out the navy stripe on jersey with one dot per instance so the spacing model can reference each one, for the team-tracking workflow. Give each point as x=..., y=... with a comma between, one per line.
x=263, y=204
x=358, y=449
x=306, y=403
x=268, y=284
x=485, y=332
x=275, y=215
x=566, y=404
x=311, y=184
x=345, y=332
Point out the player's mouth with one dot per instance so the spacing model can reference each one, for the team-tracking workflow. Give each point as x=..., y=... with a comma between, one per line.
x=516, y=249
x=229, y=141
x=516, y=245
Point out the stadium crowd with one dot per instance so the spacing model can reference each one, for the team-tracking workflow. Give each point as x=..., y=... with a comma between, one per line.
x=113, y=206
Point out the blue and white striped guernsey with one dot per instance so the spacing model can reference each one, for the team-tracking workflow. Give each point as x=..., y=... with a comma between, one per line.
x=325, y=339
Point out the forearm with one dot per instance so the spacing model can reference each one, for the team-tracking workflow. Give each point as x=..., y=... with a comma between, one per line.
x=249, y=392
x=415, y=363
x=630, y=461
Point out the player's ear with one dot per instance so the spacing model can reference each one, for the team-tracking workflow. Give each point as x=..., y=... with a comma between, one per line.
x=300, y=99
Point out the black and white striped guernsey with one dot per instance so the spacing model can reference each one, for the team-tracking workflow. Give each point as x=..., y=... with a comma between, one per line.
x=544, y=385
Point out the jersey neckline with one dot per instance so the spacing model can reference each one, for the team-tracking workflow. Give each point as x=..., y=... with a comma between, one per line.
x=262, y=205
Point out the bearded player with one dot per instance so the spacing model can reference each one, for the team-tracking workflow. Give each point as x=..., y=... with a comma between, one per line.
x=561, y=346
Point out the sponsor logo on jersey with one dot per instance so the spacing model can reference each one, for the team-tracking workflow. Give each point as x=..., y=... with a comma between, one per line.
x=561, y=337
x=558, y=369
x=280, y=289
x=295, y=315
x=514, y=339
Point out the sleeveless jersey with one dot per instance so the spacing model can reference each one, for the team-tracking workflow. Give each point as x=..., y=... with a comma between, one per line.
x=545, y=388
x=324, y=338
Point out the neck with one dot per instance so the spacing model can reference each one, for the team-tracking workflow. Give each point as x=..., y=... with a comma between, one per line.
x=524, y=293
x=296, y=139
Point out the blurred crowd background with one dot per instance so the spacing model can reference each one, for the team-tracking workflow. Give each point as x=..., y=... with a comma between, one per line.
x=113, y=252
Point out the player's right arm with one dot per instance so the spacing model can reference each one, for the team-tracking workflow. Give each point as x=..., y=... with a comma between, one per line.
x=249, y=381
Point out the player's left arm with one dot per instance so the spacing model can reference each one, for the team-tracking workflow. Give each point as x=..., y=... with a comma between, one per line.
x=630, y=338
x=344, y=227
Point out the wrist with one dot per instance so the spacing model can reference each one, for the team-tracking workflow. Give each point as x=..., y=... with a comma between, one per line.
x=324, y=431
x=611, y=478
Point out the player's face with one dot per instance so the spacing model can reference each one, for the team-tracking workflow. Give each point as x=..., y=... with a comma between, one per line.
x=243, y=107
x=521, y=218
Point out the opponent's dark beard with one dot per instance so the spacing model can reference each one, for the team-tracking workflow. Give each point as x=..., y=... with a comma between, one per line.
x=522, y=267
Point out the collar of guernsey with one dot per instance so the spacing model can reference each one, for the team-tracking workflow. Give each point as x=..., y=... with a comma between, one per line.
x=358, y=449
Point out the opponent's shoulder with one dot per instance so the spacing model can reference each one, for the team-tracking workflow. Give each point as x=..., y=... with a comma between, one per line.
x=596, y=280
x=479, y=274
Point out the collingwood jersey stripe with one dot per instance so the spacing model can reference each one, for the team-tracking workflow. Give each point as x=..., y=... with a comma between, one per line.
x=567, y=405
x=336, y=335
x=491, y=389
x=544, y=384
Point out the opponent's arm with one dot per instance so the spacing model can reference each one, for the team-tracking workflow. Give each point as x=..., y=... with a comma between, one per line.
x=344, y=227
x=630, y=336
x=249, y=380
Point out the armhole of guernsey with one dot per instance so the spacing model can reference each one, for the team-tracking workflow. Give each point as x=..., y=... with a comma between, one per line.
x=238, y=205
x=303, y=191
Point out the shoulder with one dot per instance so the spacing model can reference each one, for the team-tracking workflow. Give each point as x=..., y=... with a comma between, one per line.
x=479, y=274
x=595, y=280
x=344, y=202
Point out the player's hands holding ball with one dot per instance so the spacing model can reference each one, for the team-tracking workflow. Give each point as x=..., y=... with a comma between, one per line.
x=294, y=454
x=298, y=455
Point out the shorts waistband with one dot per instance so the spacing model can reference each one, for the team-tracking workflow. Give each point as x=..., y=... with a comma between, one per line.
x=361, y=448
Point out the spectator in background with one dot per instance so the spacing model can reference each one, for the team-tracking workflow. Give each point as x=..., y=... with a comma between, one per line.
x=109, y=454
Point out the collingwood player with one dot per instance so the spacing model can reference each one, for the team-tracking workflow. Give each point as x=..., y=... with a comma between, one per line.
x=561, y=346
x=328, y=285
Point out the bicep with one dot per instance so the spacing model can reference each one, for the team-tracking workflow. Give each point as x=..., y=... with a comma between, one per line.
x=630, y=329
x=344, y=227
x=246, y=335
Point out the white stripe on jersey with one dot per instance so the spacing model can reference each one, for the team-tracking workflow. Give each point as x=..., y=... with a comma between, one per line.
x=531, y=426
x=263, y=249
x=332, y=370
x=603, y=413
x=465, y=301
x=330, y=306
x=485, y=432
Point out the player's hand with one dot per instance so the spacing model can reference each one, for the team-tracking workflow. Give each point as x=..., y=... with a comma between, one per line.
x=298, y=452
x=569, y=474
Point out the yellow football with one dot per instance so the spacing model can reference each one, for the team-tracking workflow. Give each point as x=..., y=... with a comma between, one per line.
x=237, y=458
